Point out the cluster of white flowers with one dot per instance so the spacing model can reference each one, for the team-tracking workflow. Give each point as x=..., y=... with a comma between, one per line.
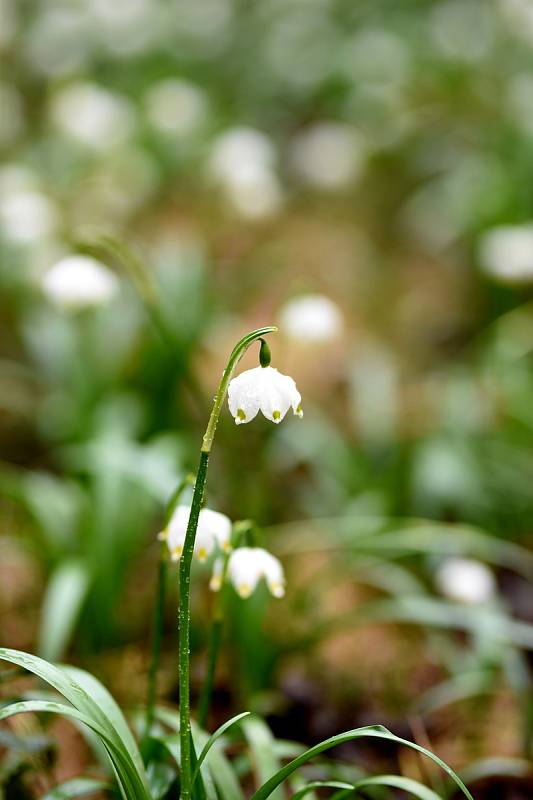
x=78, y=282
x=246, y=565
x=466, y=581
x=265, y=389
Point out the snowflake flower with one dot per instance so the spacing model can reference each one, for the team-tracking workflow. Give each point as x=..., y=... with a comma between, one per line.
x=214, y=531
x=77, y=282
x=263, y=389
x=246, y=567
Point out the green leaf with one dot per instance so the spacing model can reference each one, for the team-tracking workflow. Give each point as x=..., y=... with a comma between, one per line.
x=375, y=731
x=77, y=787
x=64, y=596
x=220, y=767
x=310, y=787
x=263, y=749
x=92, y=705
x=399, y=782
x=214, y=736
x=492, y=767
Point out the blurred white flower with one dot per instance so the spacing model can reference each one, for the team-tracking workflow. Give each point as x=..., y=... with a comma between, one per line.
x=238, y=148
x=59, y=41
x=26, y=216
x=125, y=27
x=242, y=161
x=265, y=389
x=311, y=318
x=328, y=155
x=9, y=21
x=214, y=530
x=518, y=15
x=77, y=282
x=465, y=581
x=246, y=567
x=506, y=253
x=92, y=115
x=375, y=57
x=176, y=107
x=451, y=24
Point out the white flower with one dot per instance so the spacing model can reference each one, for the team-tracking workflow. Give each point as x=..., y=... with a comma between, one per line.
x=506, y=253
x=27, y=216
x=465, y=581
x=240, y=148
x=311, y=318
x=176, y=107
x=214, y=530
x=77, y=282
x=247, y=566
x=242, y=162
x=328, y=155
x=93, y=115
x=265, y=389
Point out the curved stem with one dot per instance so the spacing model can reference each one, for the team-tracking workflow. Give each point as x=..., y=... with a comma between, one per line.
x=187, y=554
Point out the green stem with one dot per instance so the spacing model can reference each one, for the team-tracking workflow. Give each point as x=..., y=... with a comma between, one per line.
x=157, y=639
x=187, y=554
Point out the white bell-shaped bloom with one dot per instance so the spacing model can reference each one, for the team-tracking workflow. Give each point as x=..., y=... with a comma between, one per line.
x=247, y=566
x=311, y=318
x=465, y=581
x=77, y=282
x=265, y=389
x=214, y=530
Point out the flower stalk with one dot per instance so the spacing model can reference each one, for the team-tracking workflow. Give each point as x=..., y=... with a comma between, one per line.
x=187, y=555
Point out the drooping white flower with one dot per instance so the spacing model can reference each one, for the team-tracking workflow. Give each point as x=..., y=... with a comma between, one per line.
x=263, y=389
x=465, y=581
x=214, y=530
x=77, y=282
x=311, y=318
x=506, y=253
x=246, y=567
